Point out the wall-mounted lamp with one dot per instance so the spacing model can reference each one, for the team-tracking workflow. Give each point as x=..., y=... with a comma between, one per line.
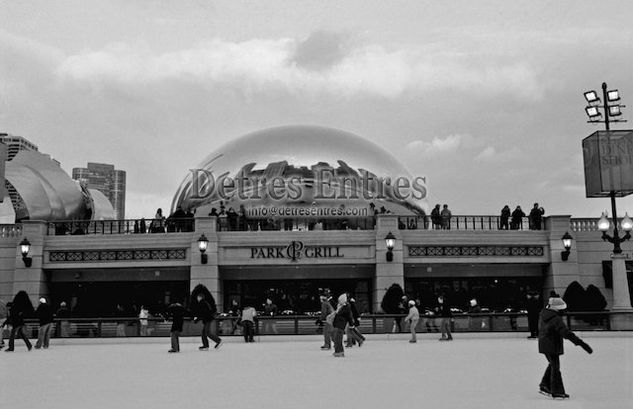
x=567, y=239
x=203, y=242
x=25, y=247
x=390, y=240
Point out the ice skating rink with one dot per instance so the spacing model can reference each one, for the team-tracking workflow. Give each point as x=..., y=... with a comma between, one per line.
x=485, y=371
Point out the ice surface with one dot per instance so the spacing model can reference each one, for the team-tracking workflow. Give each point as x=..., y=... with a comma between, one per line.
x=493, y=371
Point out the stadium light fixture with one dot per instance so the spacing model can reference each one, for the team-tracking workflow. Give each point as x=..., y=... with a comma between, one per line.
x=592, y=97
x=613, y=95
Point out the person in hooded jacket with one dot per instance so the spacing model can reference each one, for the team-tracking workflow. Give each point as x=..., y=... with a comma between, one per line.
x=21, y=308
x=354, y=336
x=205, y=310
x=45, y=314
x=176, y=312
x=552, y=331
x=342, y=318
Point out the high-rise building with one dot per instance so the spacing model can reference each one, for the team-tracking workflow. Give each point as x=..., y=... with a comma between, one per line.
x=16, y=144
x=106, y=179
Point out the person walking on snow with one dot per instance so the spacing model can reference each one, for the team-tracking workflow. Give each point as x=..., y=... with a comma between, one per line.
x=552, y=331
x=342, y=318
x=326, y=309
x=205, y=310
x=412, y=319
x=44, y=313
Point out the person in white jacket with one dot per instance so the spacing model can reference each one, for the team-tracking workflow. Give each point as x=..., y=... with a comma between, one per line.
x=412, y=319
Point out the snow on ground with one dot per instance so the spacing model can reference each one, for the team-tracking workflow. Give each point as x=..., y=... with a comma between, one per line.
x=493, y=371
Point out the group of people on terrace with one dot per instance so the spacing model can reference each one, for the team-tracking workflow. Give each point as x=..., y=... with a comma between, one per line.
x=513, y=220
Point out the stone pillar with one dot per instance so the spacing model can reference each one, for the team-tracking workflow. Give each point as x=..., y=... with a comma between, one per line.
x=387, y=273
x=621, y=296
x=31, y=279
x=207, y=274
x=559, y=273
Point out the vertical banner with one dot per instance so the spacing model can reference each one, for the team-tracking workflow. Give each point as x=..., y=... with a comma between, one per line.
x=608, y=163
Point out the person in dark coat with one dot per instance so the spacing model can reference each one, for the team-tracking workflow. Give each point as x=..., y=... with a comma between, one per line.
x=552, y=331
x=505, y=217
x=436, y=217
x=205, y=310
x=354, y=336
x=533, y=307
x=21, y=308
x=45, y=314
x=63, y=313
x=536, y=217
x=328, y=330
x=443, y=309
x=342, y=318
x=517, y=219
x=176, y=312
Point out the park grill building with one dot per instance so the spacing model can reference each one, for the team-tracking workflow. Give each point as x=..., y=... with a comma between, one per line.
x=297, y=249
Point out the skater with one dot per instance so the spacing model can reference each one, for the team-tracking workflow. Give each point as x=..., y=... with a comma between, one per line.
x=248, y=323
x=270, y=310
x=205, y=310
x=353, y=334
x=44, y=313
x=176, y=312
x=120, y=324
x=143, y=315
x=326, y=309
x=342, y=317
x=21, y=308
x=412, y=319
x=552, y=330
x=533, y=306
x=444, y=311
x=63, y=313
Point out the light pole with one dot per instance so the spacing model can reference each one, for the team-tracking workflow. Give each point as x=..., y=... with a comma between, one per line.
x=612, y=110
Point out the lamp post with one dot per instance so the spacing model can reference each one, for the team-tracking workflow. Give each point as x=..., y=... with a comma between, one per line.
x=25, y=247
x=203, y=242
x=390, y=241
x=567, y=240
x=612, y=110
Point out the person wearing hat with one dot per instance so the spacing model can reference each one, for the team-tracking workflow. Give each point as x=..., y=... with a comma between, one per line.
x=552, y=330
x=412, y=319
x=342, y=317
x=44, y=313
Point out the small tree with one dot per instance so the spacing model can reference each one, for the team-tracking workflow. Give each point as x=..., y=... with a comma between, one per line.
x=391, y=299
x=575, y=297
x=595, y=299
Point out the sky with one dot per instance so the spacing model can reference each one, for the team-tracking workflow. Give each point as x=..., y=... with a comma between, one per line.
x=483, y=98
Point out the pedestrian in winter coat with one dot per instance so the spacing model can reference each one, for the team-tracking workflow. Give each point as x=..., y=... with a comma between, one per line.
x=446, y=218
x=552, y=331
x=44, y=313
x=270, y=310
x=176, y=312
x=248, y=323
x=443, y=309
x=63, y=313
x=505, y=217
x=143, y=316
x=517, y=219
x=533, y=307
x=436, y=217
x=21, y=308
x=342, y=318
x=328, y=329
x=536, y=217
x=354, y=336
x=205, y=310
x=412, y=319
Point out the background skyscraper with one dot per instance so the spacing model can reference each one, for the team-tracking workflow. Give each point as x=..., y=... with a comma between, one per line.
x=106, y=179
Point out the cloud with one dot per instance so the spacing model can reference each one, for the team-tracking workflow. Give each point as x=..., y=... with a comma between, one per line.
x=322, y=63
x=439, y=146
x=491, y=155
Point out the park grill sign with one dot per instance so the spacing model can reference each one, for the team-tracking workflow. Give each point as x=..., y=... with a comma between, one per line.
x=295, y=251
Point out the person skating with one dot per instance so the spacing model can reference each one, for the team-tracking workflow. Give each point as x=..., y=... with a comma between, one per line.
x=176, y=313
x=248, y=323
x=412, y=319
x=354, y=336
x=443, y=309
x=45, y=314
x=342, y=317
x=533, y=306
x=552, y=331
x=21, y=308
x=5, y=323
x=205, y=310
x=328, y=329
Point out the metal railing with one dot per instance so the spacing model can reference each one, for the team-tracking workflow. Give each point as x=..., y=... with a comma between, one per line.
x=587, y=224
x=309, y=325
x=295, y=224
x=465, y=223
x=127, y=226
